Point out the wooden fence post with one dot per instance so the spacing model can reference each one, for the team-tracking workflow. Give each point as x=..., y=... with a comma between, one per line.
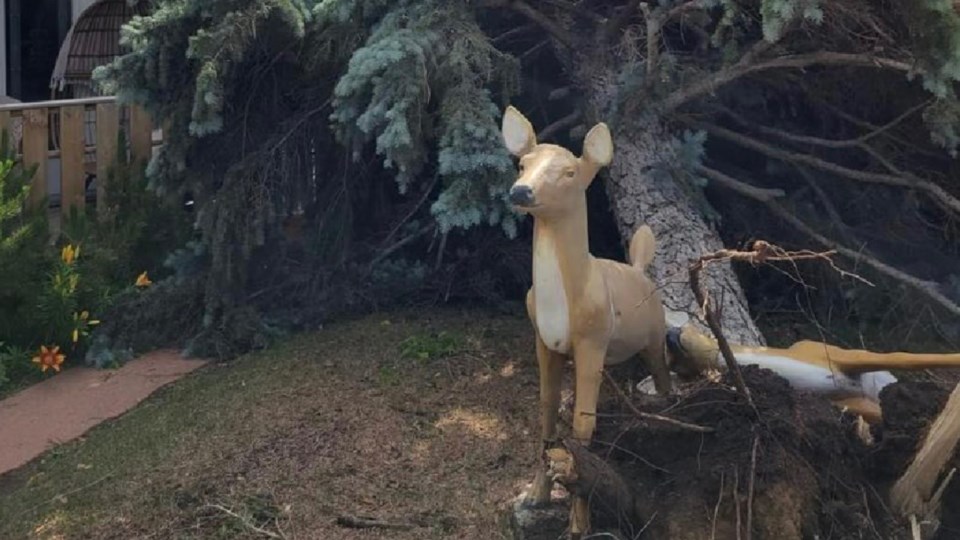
x=108, y=125
x=141, y=134
x=35, y=147
x=5, y=124
x=72, y=149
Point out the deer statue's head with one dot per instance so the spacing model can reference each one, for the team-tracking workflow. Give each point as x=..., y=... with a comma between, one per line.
x=551, y=178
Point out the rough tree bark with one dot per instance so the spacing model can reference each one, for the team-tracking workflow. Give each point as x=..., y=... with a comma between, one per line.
x=637, y=197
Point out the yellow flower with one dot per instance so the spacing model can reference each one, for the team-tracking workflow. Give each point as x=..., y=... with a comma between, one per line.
x=76, y=334
x=69, y=253
x=85, y=316
x=49, y=358
x=142, y=280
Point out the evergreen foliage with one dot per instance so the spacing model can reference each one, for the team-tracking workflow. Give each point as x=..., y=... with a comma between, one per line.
x=315, y=135
x=418, y=83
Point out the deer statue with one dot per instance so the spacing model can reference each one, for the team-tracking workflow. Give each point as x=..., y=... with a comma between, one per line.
x=850, y=378
x=597, y=311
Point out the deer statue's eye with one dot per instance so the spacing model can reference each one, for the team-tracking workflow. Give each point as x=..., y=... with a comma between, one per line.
x=570, y=173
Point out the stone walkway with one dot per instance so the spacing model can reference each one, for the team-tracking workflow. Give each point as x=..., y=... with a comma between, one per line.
x=68, y=404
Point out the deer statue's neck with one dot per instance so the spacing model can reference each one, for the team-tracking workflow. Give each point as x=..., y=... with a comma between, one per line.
x=561, y=262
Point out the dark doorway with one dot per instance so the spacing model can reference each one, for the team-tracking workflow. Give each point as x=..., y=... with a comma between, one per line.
x=35, y=29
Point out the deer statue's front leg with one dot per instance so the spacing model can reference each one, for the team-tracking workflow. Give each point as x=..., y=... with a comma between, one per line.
x=551, y=376
x=588, y=361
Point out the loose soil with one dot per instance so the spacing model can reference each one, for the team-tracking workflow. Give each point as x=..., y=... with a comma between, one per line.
x=812, y=477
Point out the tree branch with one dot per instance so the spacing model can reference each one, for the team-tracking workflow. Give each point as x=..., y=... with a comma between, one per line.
x=935, y=192
x=618, y=21
x=748, y=65
x=553, y=128
x=819, y=141
x=578, y=10
x=747, y=190
x=653, y=22
x=926, y=288
x=558, y=32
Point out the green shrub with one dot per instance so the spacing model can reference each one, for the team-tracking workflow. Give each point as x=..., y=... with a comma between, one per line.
x=54, y=296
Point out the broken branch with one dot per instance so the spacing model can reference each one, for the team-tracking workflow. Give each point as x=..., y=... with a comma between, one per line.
x=914, y=493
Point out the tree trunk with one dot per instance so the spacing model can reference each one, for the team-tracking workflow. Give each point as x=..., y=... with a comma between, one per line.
x=638, y=197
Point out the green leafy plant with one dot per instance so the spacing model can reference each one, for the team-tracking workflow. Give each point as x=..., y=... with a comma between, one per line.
x=431, y=346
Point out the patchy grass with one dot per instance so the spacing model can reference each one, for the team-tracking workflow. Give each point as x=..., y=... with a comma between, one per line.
x=427, y=420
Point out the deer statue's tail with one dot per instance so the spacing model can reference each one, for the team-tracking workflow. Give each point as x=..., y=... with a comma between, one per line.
x=642, y=247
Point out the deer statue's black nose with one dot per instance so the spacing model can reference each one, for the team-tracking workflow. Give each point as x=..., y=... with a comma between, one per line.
x=521, y=195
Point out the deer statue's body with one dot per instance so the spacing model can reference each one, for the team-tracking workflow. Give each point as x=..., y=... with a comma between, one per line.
x=851, y=378
x=597, y=311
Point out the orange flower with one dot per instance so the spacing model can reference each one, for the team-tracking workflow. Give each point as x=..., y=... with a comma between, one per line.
x=49, y=358
x=142, y=280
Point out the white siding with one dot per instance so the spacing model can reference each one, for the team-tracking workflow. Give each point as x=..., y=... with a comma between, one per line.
x=77, y=7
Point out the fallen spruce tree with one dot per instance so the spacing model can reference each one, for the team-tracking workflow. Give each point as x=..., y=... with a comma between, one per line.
x=745, y=454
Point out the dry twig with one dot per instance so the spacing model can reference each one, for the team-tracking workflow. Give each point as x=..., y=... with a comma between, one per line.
x=360, y=522
x=753, y=477
x=651, y=416
x=246, y=522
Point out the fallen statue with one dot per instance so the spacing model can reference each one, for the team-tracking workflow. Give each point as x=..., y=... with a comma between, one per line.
x=850, y=378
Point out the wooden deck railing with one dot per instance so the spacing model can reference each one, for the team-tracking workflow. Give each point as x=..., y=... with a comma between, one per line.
x=74, y=142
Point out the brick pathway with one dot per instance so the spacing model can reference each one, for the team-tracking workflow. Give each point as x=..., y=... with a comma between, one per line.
x=68, y=404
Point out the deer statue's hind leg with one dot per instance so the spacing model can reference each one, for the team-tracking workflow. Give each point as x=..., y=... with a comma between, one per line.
x=588, y=359
x=656, y=361
x=551, y=377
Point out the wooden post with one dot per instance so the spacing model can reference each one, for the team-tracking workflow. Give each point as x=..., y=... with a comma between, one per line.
x=141, y=134
x=108, y=125
x=35, y=147
x=5, y=124
x=72, y=176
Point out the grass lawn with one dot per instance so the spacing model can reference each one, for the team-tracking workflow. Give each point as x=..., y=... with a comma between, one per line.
x=424, y=419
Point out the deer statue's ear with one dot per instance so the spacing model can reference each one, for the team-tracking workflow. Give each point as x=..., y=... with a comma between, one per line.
x=598, y=145
x=518, y=134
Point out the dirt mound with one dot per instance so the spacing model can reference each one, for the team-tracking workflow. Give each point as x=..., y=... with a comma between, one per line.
x=811, y=477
